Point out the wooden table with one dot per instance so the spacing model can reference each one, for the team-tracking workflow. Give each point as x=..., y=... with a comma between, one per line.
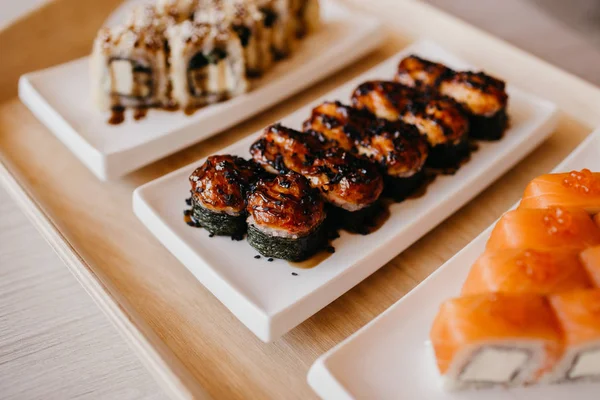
x=54, y=343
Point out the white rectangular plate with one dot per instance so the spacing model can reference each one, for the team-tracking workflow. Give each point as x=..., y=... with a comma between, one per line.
x=390, y=357
x=60, y=98
x=265, y=296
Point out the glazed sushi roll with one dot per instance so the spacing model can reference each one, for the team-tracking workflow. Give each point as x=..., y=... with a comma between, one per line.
x=526, y=271
x=590, y=258
x=397, y=148
x=441, y=120
x=575, y=189
x=401, y=153
x=207, y=64
x=544, y=229
x=339, y=124
x=495, y=339
x=219, y=189
x=351, y=184
x=285, y=218
x=129, y=63
x=280, y=26
x=422, y=74
x=248, y=23
x=484, y=99
x=579, y=318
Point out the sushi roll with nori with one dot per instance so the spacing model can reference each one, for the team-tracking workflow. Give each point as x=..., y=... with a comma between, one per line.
x=396, y=147
x=248, y=23
x=207, y=64
x=129, y=63
x=484, y=99
x=351, y=184
x=422, y=74
x=285, y=218
x=219, y=189
x=440, y=119
x=400, y=151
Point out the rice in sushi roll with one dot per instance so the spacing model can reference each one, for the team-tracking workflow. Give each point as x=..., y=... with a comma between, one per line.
x=352, y=185
x=248, y=23
x=180, y=10
x=219, y=190
x=440, y=119
x=207, y=64
x=280, y=26
x=129, y=63
x=285, y=218
x=306, y=16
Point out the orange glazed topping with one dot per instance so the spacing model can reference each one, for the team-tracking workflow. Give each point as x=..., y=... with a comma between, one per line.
x=531, y=260
x=582, y=181
x=517, y=317
x=558, y=221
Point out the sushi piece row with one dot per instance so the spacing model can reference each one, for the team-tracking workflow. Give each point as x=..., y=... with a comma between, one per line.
x=482, y=97
x=528, y=310
x=190, y=53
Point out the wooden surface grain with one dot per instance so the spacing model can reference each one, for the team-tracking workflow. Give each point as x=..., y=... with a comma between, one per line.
x=55, y=345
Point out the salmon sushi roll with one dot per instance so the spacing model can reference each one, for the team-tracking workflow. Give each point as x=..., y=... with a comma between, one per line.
x=285, y=218
x=578, y=314
x=495, y=339
x=575, y=189
x=590, y=259
x=526, y=271
x=440, y=120
x=219, y=190
x=544, y=229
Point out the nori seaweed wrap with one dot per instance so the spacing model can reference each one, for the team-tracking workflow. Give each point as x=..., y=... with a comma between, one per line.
x=219, y=189
x=286, y=218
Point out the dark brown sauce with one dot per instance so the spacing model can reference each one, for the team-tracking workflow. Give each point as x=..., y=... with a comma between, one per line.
x=117, y=116
x=422, y=189
x=315, y=260
x=190, y=110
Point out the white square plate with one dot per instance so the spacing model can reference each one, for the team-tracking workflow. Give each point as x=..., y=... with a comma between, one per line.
x=265, y=296
x=60, y=98
x=390, y=358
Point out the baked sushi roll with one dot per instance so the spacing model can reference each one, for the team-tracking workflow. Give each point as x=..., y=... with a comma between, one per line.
x=219, y=189
x=441, y=120
x=578, y=317
x=526, y=271
x=207, y=64
x=422, y=74
x=285, y=218
x=341, y=125
x=351, y=184
x=575, y=189
x=400, y=151
x=544, y=229
x=248, y=23
x=280, y=26
x=305, y=16
x=129, y=63
x=495, y=339
x=484, y=99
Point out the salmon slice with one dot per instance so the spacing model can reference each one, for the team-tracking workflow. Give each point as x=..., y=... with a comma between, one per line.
x=578, y=314
x=590, y=259
x=544, y=229
x=495, y=339
x=575, y=189
x=527, y=271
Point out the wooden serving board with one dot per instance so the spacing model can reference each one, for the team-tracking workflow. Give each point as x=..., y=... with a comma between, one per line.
x=192, y=344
